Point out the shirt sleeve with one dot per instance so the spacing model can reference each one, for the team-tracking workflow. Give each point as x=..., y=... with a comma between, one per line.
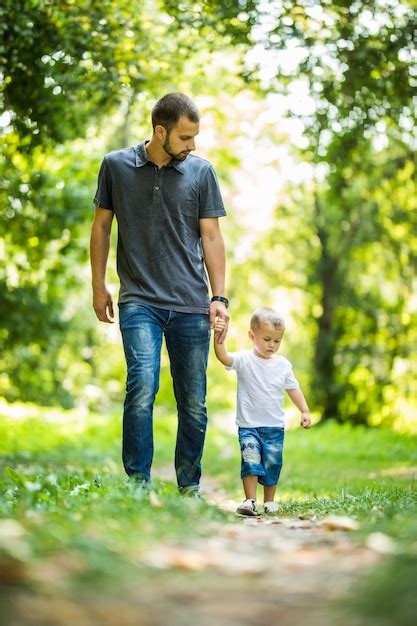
x=290, y=380
x=236, y=362
x=210, y=198
x=103, y=197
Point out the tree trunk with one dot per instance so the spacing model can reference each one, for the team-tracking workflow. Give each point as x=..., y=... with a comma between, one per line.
x=325, y=348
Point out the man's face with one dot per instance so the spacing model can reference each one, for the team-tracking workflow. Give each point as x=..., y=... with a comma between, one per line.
x=180, y=141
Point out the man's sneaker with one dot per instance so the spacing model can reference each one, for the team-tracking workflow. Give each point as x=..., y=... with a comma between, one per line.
x=191, y=491
x=247, y=508
x=139, y=485
x=270, y=508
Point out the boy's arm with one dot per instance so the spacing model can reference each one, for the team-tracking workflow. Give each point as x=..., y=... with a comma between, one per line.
x=297, y=397
x=220, y=348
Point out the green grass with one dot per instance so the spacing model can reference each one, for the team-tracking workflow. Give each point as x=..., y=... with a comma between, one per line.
x=62, y=482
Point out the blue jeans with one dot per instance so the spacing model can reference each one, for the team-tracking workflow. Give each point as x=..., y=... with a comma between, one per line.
x=261, y=453
x=187, y=337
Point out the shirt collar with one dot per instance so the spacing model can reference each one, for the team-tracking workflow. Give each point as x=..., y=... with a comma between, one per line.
x=142, y=158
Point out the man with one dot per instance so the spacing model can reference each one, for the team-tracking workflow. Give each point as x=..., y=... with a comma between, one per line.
x=167, y=203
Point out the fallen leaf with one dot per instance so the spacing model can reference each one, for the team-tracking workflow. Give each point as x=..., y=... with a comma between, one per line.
x=381, y=543
x=179, y=558
x=340, y=522
x=310, y=515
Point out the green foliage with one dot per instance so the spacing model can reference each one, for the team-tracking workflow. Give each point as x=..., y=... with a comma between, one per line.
x=61, y=480
x=360, y=76
x=387, y=596
x=66, y=64
x=79, y=79
x=232, y=20
x=364, y=280
x=351, y=237
x=72, y=72
x=46, y=200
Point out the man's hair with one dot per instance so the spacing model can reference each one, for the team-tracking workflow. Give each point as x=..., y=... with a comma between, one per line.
x=270, y=316
x=168, y=110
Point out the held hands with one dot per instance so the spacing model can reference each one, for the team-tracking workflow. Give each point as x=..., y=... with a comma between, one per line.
x=219, y=320
x=219, y=326
x=305, y=419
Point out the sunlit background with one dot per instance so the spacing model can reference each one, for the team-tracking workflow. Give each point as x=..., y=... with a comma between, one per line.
x=307, y=117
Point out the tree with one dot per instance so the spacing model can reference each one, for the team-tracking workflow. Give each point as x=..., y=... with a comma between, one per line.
x=72, y=71
x=352, y=62
x=356, y=63
x=67, y=68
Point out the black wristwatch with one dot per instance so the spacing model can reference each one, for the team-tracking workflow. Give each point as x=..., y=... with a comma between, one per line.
x=221, y=299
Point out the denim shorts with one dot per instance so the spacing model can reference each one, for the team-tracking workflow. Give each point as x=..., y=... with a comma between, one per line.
x=261, y=453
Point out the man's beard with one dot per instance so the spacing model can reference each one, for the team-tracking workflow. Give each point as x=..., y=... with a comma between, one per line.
x=180, y=156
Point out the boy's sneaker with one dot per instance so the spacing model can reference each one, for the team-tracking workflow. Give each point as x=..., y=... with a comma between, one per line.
x=270, y=508
x=247, y=508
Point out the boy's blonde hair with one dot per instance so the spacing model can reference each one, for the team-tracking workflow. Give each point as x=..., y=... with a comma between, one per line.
x=268, y=315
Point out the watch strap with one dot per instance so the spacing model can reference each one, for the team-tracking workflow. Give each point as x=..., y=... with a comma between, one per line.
x=220, y=299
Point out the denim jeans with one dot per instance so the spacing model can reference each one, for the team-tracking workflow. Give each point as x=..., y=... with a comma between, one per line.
x=261, y=453
x=187, y=337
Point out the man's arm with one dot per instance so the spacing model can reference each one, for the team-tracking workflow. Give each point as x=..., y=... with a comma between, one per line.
x=215, y=261
x=99, y=253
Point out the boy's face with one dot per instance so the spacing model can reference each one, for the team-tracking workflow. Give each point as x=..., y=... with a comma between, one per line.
x=266, y=339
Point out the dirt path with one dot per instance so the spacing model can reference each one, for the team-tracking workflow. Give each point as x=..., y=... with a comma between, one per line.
x=249, y=572
x=259, y=572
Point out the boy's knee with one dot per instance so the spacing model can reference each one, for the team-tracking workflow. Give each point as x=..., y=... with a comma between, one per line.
x=250, y=453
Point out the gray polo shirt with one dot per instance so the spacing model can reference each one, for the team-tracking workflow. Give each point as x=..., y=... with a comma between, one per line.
x=159, y=253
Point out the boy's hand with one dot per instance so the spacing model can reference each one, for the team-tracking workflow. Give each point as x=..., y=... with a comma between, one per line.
x=218, y=311
x=305, y=419
x=219, y=326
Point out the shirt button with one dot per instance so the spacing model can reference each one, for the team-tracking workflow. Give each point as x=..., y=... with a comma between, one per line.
x=156, y=188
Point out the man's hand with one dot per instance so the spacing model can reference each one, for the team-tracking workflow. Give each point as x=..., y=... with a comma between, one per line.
x=218, y=310
x=305, y=419
x=103, y=305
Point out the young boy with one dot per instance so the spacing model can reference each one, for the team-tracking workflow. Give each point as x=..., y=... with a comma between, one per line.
x=262, y=379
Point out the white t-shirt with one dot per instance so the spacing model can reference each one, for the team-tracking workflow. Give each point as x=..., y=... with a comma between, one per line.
x=261, y=385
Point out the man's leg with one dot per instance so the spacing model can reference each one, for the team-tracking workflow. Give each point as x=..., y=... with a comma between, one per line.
x=188, y=340
x=142, y=330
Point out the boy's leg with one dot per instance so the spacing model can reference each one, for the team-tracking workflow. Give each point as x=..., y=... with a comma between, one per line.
x=248, y=506
x=272, y=447
x=249, y=486
x=251, y=457
x=251, y=469
x=269, y=492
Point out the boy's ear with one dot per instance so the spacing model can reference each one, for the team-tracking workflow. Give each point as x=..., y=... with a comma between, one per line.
x=251, y=334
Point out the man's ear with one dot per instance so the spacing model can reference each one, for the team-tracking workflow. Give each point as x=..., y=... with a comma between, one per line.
x=160, y=132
